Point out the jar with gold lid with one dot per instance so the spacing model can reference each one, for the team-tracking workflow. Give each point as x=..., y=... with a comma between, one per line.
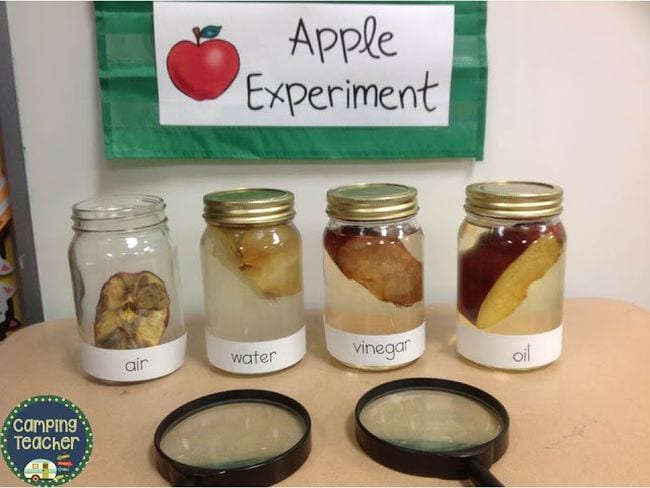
x=252, y=281
x=511, y=259
x=374, y=308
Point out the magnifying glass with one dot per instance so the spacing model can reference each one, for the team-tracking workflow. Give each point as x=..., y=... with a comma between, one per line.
x=433, y=427
x=233, y=438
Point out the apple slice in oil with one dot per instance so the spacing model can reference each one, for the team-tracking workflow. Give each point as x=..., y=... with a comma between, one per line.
x=511, y=288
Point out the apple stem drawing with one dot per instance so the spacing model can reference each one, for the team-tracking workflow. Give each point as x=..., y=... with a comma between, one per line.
x=197, y=34
x=203, y=70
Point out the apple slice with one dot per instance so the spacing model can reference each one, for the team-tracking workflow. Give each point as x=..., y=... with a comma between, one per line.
x=132, y=312
x=511, y=288
x=268, y=257
x=380, y=264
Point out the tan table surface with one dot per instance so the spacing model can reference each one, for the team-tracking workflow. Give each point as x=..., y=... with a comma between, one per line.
x=584, y=420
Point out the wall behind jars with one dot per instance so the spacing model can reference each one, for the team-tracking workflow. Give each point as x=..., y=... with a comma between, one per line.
x=568, y=103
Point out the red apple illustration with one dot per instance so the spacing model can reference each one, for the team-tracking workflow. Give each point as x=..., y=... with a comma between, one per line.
x=203, y=70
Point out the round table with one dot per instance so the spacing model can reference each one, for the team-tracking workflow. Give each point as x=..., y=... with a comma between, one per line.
x=584, y=420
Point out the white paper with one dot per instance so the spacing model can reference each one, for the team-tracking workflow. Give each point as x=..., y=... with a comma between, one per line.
x=256, y=357
x=509, y=351
x=375, y=350
x=133, y=364
x=328, y=64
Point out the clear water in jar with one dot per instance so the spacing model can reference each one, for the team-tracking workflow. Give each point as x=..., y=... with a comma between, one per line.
x=252, y=279
x=373, y=278
x=511, y=277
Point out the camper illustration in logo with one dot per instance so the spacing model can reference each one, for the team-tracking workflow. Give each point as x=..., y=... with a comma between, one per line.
x=40, y=469
x=203, y=70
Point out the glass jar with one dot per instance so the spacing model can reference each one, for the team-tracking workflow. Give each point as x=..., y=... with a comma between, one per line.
x=126, y=286
x=251, y=258
x=372, y=261
x=511, y=258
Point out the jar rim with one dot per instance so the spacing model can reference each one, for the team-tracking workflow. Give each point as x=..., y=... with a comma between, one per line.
x=117, y=208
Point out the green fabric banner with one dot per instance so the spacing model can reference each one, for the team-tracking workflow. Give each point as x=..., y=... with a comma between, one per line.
x=127, y=73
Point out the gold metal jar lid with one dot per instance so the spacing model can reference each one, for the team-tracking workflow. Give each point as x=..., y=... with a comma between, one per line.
x=248, y=206
x=517, y=200
x=370, y=202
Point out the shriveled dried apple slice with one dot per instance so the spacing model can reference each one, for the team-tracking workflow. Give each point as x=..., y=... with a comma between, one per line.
x=132, y=312
x=381, y=264
x=268, y=257
x=511, y=288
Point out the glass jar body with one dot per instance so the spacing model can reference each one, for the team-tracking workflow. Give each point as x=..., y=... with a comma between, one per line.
x=374, y=308
x=126, y=289
x=510, y=291
x=252, y=283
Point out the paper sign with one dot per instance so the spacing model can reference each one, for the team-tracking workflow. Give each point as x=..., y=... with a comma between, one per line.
x=303, y=64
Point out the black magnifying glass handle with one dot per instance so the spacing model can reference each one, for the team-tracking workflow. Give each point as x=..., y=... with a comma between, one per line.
x=480, y=475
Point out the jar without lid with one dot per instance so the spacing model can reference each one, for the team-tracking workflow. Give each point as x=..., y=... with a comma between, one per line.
x=126, y=288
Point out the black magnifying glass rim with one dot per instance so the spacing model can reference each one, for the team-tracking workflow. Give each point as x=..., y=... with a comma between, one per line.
x=264, y=473
x=451, y=464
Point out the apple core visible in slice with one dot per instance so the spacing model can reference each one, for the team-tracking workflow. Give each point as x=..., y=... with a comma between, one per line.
x=511, y=288
x=132, y=312
x=268, y=257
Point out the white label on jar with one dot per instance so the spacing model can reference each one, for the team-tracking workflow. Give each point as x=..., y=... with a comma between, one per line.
x=256, y=357
x=140, y=364
x=375, y=350
x=509, y=351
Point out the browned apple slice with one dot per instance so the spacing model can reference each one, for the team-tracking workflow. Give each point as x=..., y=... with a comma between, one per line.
x=132, y=312
x=381, y=264
x=511, y=288
x=268, y=257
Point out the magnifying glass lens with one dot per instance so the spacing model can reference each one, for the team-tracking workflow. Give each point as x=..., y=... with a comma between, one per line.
x=233, y=435
x=430, y=420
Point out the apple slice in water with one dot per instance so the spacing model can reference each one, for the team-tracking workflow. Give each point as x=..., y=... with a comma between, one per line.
x=269, y=258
